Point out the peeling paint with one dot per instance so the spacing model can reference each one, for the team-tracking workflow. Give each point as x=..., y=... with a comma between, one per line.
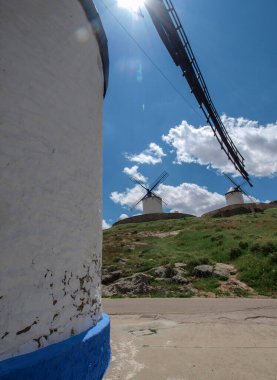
x=5, y=334
x=26, y=329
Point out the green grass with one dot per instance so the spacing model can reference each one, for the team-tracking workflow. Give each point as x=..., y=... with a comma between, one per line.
x=247, y=241
x=206, y=284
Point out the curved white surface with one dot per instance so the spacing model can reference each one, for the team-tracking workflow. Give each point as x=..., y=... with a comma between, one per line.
x=51, y=169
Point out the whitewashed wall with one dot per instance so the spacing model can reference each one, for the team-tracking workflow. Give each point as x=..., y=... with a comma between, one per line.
x=152, y=205
x=233, y=198
x=51, y=170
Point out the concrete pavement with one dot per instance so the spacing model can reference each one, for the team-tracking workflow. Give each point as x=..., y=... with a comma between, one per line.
x=193, y=339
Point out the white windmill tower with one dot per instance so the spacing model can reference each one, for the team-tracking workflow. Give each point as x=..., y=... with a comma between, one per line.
x=54, y=72
x=234, y=195
x=152, y=203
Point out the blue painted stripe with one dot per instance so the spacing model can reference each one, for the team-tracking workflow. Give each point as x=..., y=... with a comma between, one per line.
x=82, y=357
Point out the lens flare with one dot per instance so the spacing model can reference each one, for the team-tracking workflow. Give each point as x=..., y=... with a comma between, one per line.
x=131, y=5
x=139, y=74
x=82, y=34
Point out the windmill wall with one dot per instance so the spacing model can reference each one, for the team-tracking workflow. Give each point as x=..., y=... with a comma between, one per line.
x=152, y=205
x=234, y=197
x=53, y=80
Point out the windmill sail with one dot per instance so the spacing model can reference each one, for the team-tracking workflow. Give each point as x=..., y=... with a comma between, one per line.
x=150, y=195
x=238, y=187
x=170, y=29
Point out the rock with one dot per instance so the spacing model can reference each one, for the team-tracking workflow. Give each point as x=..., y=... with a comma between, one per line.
x=160, y=271
x=177, y=279
x=225, y=270
x=232, y=285
x=122, y=260
x=111, y=277
x=139, y=283
x=180, y=265
x=179, y=271
x=203, y=270
x=166, y=271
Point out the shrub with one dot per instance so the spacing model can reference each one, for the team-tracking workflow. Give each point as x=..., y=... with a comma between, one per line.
x=169, y=271
x=217, y=238
x=194, y=262
x=234, y=253
x=273, y=258
x=255, y=248
x=243, y=244
x=268, y=248
x=264, y=249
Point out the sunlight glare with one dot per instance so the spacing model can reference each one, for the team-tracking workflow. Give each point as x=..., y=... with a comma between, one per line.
x=131, y=5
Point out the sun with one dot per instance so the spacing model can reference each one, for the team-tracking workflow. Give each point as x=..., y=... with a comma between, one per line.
x=131, y=5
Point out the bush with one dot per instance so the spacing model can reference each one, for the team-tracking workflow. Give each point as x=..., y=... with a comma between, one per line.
x=273, y=258
x=169, y=271
x=217, y=238
x=264, y=249
x=194, y=262
x=268, y=248
x=243, y=244
x=223, y=278
x=255, y=248
x=234, y=253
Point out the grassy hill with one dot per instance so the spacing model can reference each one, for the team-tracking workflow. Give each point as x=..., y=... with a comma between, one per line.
x=247, y=242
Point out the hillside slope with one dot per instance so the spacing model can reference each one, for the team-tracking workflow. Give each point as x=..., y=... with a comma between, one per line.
x=186, y=257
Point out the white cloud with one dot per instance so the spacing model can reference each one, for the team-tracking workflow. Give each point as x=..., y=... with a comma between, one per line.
x=256, y=143
x=123, y=216
x=105, y=225
x=128, y=197
x=152, y=155
x=156, y=150
x=133, y=172
x=188, y=198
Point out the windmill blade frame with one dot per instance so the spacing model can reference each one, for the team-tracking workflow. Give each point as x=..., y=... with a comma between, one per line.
x=231, y=180
x=135, y=204
x=239, y=187
x=247, y=195
x=133, y=179
x=163, y=201
x=158, y=181
x=149, y=190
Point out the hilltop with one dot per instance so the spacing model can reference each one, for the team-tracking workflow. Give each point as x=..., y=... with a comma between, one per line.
x=234, y=256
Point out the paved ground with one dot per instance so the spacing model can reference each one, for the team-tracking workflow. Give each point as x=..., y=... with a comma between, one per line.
x=193, y=339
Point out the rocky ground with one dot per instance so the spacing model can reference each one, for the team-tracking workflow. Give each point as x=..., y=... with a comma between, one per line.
x=155, y=280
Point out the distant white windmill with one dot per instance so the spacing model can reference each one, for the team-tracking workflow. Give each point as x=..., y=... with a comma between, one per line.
x=152, y=203
x=234, y=195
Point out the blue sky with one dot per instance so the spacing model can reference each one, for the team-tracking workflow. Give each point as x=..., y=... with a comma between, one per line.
x=149, y=126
